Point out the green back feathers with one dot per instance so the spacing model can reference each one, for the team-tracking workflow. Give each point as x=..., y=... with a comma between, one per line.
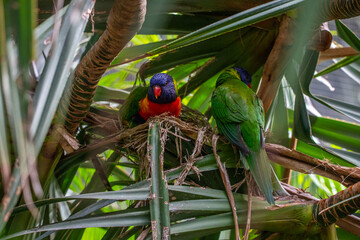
x=227, y=75
x=233, y=102
x=131, y=105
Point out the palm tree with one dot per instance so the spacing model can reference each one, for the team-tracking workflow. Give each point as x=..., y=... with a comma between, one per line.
x=60, y=142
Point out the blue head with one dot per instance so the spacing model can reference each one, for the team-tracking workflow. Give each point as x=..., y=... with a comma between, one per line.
x=244, y=75
x=162, y=89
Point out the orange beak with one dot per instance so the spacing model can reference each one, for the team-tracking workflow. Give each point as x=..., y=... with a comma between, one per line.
x=157, y=91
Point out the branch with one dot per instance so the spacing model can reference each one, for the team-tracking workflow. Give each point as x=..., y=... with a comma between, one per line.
x=337, y=53
x=326, y=214
x=351, y=224
x=338, y=9
x=303, y=163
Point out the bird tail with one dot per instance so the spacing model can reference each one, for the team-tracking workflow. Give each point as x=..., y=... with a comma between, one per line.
x=278, y=189
x=261, y=170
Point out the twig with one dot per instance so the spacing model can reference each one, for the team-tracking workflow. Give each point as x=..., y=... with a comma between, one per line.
x=286, y=178
x=66, y=140
x=143, y=234
x=227, y=184
x=248, y=221
x=100, y=171
x=236, y=186
x=332, y=53
x=189, y=165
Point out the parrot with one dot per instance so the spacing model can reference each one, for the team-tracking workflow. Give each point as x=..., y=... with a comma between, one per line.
x=239, y=115
x=145, y=102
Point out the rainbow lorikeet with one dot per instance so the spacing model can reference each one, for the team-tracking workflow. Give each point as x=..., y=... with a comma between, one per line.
x=239, y=116
x=145, y=102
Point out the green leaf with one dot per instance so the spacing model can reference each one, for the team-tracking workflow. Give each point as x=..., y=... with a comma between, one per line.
x=5, y=161
x=207, y=163
x=341, y=133
x=126, y=194
x=183, y=71
x=348, y=109
x=351, y=157
x=175, y=24
x=279, y=122
x=138, y=217
x=301, y=124
x=302, y=127
x=283, y=219
x=93, y=233
x=119, y=79
x=202, y=97
x=134, y=51
x=55, y=75
x=338, y=106
x=16, y=54
x=316, y=152
x=342, y=63
x=13, y=195
x=344, y=235
x=98, y=205
x=109, y=94
x=347, y=35
x=24, y=35
x=250, y=58
x=338, y=132
x=206, y=49
x=214, y=205
x=113, y=233
x=159, y=203
x=307, y=69
x=237, y=21
x=44, y=30
x=353, y=71
x=204, y=192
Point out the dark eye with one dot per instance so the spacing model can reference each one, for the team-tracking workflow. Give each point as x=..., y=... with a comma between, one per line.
x=166, y=83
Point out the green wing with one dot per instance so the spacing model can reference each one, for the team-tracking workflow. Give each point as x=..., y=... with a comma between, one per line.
x=227, y=119
x=131, y=105
x=237, y=117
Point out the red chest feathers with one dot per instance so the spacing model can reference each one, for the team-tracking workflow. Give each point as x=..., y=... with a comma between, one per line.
x=150, y=109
